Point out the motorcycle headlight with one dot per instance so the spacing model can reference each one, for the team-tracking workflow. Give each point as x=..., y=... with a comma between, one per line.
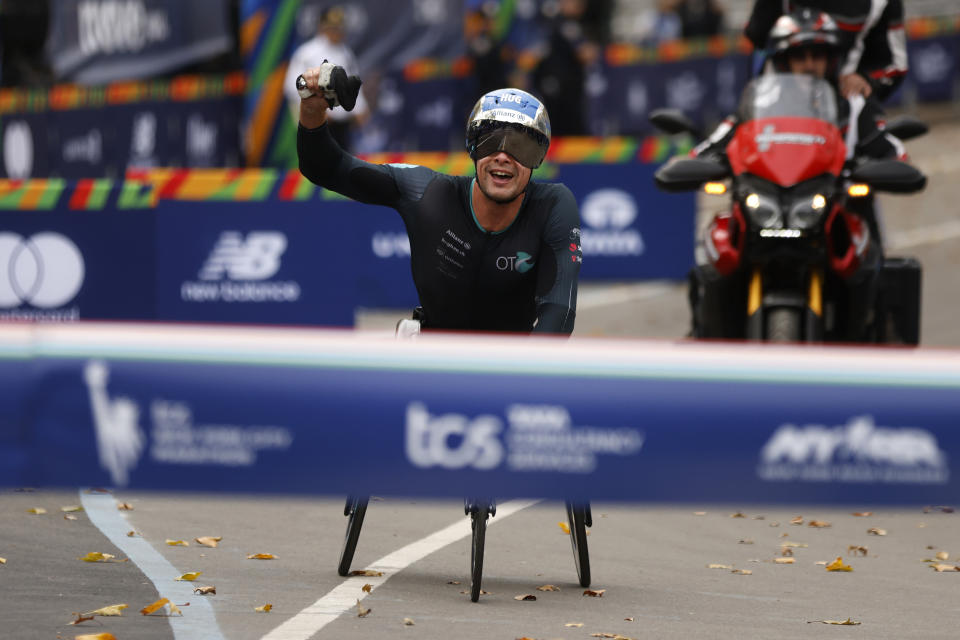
x=763, y=210
x=806, y=211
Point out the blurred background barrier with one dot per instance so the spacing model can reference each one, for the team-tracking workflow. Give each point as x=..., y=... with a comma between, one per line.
x=268, y=247
x=181, y=408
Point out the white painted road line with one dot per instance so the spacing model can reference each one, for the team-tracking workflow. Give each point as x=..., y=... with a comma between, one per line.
x=102, y=510
x=345, y=596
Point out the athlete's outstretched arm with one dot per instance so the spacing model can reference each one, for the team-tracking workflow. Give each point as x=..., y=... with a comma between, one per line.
x=557, y=297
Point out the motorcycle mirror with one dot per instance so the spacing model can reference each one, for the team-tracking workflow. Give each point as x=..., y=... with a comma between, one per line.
x=688, y=174
x=673, y=121
x=906, y=127
x=892, y=176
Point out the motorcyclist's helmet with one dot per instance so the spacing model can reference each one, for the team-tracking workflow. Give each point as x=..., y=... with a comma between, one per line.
x=509, y=120
x=801, y=30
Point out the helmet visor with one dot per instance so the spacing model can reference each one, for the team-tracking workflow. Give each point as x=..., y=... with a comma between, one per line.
x=525, y=146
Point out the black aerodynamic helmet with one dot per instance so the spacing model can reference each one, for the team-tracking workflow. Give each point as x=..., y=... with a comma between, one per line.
x=804, y=29
x=509, y=120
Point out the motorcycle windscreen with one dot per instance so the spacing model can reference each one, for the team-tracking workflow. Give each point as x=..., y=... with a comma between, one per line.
x=789, y=129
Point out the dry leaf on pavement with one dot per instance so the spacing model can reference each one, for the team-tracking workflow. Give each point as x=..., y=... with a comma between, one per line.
x=96, y=556
x=112, y=610
x=784, y=560
x=71, y=509
x=96, y=636
x=124, y=506
x=362, y=611
x=69, y=516
x=877, y=532
x=858, y=549
x=943, y=555
x=795, y=545
x=408, y=621
x=80, y=618
x=745, y=541
x=574, y=624
x=548, y=587
x=848, y=621
x=837, y=565
x=743, y=572
x=367, y=588
x=189, y=577
x=453, y=582
x=738, y=514
x=366, y=572
x=261, y=556
x=797, y=520
x=719, y=566
x=862, y=514
x=150, y=608
x=525, y=596
x=819, y=524
x=266, y=608
x=3, y=561
x=564, y=526
x=178, y=543
x=203, y=591
x=209, y=541
x=940, y=568
x=594, y=593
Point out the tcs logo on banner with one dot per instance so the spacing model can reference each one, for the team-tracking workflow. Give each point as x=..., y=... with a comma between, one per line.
x=452, y=441
x=45, y=270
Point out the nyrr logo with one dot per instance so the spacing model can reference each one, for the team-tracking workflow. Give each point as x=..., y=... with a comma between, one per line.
x=521, y=263
x=257, y=258
x=858, y=451
x=609, y=214
x=452, y=441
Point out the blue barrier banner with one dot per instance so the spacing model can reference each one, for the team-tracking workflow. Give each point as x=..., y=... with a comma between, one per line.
x=254, y=262
x=296, y=411
x=59, y=268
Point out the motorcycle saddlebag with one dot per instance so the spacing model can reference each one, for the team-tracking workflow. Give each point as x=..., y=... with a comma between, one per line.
x=900, y=282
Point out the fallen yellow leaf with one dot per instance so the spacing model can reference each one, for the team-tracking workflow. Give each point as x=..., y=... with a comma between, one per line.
x=261, y=556
x=598, y=593
x=548, y=587
x=362, y=612
x=943, y=555
x=174, y=609
x=738, y=514
x=855, y=549
x=525, y=596
x=150, y=608
x=205, y=591
x=877, y=532
x=408, y=621
x=124, y=506
x=209, y=541
x=266, y=608
x=848, y=621
x=453, y=582
x=112, y=610
x=574, y=624
x=940, y=568
x=72, y=508
x=820, y=524
x=96, y=556
x=96, y=636
x=784, y=560
x=178, y=543
x=189, y=577
x=629, y=619
x=863, y=514
x=3, y=561
x=786, y=552
x=795, y=545
x=837, y=565
x=745, y=541
x=366, y=572
x=132, y=534
x=69, y=516
x=367, y=588
x=37, y=511
x=743, y=572
x=699, y=513
x=482, y=592
x=565, y=527
x=797, y=520
x=719, y=566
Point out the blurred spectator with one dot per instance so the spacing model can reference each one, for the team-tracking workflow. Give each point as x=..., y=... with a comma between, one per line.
x=490, y=58
x=559, y=77
x=329, y=45
x=700, y=18
x=660, y=23
x=23, y=34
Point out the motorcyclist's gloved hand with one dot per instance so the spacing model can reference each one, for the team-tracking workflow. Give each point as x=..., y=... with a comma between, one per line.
x=335, y=85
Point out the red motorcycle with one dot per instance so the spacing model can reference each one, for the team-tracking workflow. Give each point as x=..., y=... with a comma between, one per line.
x=798, y=256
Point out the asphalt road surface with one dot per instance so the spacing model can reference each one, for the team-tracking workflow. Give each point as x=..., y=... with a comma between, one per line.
x=651, y=561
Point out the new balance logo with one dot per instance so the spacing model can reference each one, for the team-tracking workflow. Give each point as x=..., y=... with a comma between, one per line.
x=256, y=258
